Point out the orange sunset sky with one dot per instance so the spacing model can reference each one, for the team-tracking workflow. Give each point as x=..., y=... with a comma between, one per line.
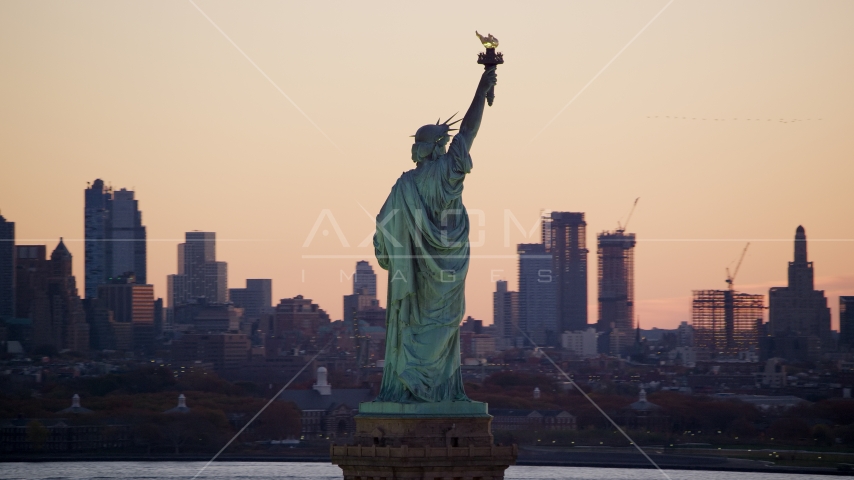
x=732, y=120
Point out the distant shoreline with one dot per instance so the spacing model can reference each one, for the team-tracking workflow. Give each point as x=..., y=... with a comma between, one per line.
x=672, y=464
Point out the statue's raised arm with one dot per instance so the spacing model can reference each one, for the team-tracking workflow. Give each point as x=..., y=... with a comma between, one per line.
x=471, y=121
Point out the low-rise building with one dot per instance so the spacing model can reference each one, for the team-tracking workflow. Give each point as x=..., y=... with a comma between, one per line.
x=59, y=435
x=684, y=356
x=226, y=351
x=327, y=412
x=520, y=419
x=774, y=373
x=770, y=402
x=582, y=343
x=644, y=415
x=482, y=345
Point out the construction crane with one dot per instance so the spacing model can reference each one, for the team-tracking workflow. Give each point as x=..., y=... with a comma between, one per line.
x=622, y=228
x=731, y=278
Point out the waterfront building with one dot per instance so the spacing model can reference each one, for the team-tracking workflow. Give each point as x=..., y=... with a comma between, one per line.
x=504, y=419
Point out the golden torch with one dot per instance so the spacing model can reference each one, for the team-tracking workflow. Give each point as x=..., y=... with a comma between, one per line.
x=489, y=58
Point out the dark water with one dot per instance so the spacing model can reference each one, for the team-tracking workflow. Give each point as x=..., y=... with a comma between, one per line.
x=324, y=471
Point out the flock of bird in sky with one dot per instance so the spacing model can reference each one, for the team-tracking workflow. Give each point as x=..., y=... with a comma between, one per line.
x=782, y=120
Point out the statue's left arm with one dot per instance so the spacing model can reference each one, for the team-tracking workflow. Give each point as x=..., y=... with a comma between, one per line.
x=471, y=121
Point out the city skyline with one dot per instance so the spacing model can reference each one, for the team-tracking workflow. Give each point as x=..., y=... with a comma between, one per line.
x=206, y=143
x=206, y=253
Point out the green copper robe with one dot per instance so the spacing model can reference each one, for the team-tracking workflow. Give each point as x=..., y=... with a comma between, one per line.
x=422, y=240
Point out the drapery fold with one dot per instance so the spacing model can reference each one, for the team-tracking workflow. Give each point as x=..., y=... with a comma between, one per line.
x=422, y=240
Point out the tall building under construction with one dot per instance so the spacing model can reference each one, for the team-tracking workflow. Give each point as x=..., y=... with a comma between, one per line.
x=616, y=280
x=726, y=322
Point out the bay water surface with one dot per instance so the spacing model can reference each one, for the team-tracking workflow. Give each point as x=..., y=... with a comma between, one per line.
x=325, y=471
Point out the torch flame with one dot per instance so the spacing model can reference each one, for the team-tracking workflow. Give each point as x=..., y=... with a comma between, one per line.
x=488, y=41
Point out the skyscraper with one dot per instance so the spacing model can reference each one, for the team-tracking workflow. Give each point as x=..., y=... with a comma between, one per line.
x=365, y=280
x=216, y=282
x=132, y=305
x=505, y=315
x=7, y=268
x=846, y=322
x=56, y=310
x=96, y=218
x=128, y=237
x=564, y=237
x=364, y=296
x=115, y=237
x=177, y=291
x=198, y=250
x=799, y=310
x=32, y=271
x=616, y=280
x=255, y=299
x=537, y=294
x=199, y=274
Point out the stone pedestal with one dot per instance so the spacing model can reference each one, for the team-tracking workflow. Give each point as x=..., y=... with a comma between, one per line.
x=425, y=442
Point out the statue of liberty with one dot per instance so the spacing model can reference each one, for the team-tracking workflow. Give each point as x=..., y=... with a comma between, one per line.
x=422, y=240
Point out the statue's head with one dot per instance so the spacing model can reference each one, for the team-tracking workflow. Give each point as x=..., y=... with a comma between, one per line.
x=431, y=140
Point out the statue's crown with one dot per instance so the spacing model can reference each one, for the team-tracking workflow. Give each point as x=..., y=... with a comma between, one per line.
x=435, y=133
x=429, y=136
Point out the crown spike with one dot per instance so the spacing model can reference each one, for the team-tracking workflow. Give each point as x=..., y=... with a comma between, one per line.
x=438, y=120
x=454, y=122
x=449, y=118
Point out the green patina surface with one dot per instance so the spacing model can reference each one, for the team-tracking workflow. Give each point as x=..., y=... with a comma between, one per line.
x=422, y=240
x=444, y=409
